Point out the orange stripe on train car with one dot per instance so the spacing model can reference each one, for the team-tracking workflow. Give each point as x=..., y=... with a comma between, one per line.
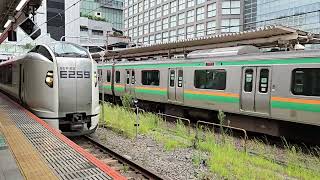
x=119, y=85
x=151, y=88
x=212, y=93
x=295, y=100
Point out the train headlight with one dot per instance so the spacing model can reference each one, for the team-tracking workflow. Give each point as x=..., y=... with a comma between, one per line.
x=95, y=79
x=49, y=79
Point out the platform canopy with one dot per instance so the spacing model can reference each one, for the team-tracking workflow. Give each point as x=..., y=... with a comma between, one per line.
x=269, y=36
x=15, y=11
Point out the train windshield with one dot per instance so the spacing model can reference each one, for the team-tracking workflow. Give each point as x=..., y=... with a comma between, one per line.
x=63, y=49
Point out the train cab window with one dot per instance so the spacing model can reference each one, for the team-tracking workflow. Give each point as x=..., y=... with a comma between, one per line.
x=306, y=81
x=264, y=79
x=210, y=79
x=117, y=76
x=172, y=77
x=34, y=49
x=108, y=76
x=150, y=77
x=248, y=80
x=128, y=77
x=44, y=51
x=133, y=80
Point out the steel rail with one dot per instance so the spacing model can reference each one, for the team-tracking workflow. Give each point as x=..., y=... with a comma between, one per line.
x=147, y=173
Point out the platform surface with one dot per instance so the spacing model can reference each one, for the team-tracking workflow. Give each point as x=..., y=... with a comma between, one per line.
x=9, y=169
x=41, y=152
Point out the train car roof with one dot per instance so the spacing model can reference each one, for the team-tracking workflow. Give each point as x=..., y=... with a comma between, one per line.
x=246, y=57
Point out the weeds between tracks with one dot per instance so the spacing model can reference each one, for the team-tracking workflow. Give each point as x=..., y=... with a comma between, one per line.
x=226, y=156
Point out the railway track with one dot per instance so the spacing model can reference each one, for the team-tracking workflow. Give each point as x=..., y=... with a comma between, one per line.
x=116, y=161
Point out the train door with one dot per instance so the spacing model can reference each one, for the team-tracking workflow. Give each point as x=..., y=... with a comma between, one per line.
x=175, y=85
x=130, y=81
x=255, y=90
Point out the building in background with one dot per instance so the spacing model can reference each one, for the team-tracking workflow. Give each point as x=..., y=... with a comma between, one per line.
x=87, y=22
x=154, y=21
x=304, y=15
x=97, y=18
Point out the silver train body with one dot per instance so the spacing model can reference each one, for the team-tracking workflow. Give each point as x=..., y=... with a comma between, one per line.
x=58, y=83
x=260, y=89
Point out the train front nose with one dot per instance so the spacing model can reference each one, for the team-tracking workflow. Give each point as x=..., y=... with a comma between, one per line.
x=75, y=93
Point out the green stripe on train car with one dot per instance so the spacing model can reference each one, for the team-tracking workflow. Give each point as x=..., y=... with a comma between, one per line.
x=108, y=87
x=271, y=61
x=154, y=92
x=219, y=63
x=295, y=106
x=119, y=88
x=160, y=65
x=204, y=97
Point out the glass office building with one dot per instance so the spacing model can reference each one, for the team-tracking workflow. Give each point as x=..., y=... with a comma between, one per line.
x=299, y=14
x=109, y=10
x=155, y=21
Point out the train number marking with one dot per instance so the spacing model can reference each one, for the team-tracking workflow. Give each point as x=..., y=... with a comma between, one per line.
x=72, y=74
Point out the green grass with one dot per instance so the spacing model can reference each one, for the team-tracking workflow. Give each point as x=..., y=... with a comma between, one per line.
x=226, y=159
x=123, y=120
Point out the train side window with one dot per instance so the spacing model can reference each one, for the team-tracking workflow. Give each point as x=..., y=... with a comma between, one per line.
x=128, y=77
x=306, y=81
x=248, y=80
x=44, y=51
x=210, y=79
x=172, y=77
x=108, y=76
x=117, y=76
x=133, y=80
x=150, y=77
x=264, y=79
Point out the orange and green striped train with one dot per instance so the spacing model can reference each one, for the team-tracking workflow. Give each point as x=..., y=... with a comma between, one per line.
x=277, y=88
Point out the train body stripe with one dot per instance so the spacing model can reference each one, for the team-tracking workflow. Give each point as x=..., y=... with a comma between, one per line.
x=205, y=97
x=296, y=100
x=309, y=105
x=270, y=61
x=311, y=60
x=116, y=88
x=154, y=92
x=160, y=65
x=212, y=93
x=295, y=106
x=151, y=88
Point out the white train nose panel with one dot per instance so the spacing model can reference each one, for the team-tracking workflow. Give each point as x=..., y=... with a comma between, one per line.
x=74, y=85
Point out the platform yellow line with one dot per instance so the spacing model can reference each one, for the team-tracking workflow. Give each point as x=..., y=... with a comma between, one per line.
x=31, y=163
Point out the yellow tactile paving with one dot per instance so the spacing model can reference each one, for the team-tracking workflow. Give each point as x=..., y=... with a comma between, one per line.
x=31, y=164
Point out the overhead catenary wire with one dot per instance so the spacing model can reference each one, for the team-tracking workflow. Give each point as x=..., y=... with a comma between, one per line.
x=58, y=14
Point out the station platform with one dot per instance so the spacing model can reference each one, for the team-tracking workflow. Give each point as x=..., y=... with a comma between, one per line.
x=31, y=149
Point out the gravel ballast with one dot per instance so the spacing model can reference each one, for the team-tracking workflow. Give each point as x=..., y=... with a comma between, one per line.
x=169, y=164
